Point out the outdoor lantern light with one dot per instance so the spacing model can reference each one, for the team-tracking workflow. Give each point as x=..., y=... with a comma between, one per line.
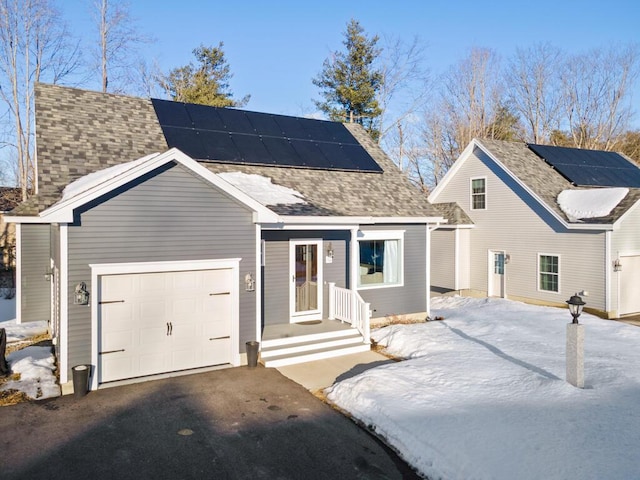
x=249, y=283
x=81, y=295
x=575, y=307
x=330, y=250
x=617, y=266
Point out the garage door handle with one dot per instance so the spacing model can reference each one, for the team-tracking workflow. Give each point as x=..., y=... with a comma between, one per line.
x=218, y=338
x=110, y=301
x=219, y=293
x=111, y=351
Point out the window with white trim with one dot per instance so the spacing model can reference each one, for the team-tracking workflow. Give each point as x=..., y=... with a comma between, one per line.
x=478, y=193
x=549, y=273
x=381, y=259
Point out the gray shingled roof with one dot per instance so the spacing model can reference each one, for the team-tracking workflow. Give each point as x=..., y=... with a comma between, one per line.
x=545, y=181
x=79, y=132
x=454, y=214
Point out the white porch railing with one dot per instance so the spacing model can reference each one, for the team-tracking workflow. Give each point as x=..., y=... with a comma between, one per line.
x=348, y=306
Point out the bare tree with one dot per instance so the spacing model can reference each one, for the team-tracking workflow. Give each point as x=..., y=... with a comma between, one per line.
x=34, y=46
x=405, y=83
x=470, y=104
x=119, y=39
x=596, y=88
x=535, y=93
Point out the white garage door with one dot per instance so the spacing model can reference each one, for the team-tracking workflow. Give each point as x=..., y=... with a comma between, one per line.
x=152, y=323
x=630, y=285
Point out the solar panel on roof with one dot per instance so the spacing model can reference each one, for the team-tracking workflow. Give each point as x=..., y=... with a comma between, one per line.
x=590, y=167
x=238, y=136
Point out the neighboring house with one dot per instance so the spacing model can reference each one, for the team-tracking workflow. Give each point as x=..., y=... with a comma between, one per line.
x=193, y=230
x=539, y=224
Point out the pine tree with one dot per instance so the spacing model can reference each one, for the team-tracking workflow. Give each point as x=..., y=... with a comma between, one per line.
x=349, y=81
x=206, y=83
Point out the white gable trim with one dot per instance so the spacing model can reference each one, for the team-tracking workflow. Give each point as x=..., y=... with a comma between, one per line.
x=467, y=154
x=62, y=212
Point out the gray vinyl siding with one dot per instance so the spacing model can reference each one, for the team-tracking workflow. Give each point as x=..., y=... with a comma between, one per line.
x=464, y=258
x=35, y=291
x=276, y=274
x=443, y=258
x=624, y=241
x=412, y=296
x=515, y=222
x=168, y=216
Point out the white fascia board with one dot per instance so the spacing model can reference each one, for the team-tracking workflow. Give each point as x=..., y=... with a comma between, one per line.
x=457, y=165
x=345, y=222
x=618, y=223
x=62, y=212
x=25, y=219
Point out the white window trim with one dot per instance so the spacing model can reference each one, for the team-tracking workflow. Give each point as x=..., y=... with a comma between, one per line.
x=486, y=199
x=383, y=235
x=538, y=272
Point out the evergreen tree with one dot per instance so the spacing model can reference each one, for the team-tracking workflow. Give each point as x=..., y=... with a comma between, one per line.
x=206, y=83
x=349, y=81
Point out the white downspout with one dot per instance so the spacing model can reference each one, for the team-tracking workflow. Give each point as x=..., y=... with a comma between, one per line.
x=456, y=259
x=607, y=272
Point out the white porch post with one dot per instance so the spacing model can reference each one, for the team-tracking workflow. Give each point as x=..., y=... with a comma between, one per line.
x=354, y=268
x=332, y=301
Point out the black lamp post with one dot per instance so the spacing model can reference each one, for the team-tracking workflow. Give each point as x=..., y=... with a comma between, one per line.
x=575, y=307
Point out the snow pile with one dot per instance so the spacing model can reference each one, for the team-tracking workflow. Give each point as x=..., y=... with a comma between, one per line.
x=96, y=178
x=483, y=394
x=36, y=365
x=36, y=368
x=262, y=189
x=591, y=203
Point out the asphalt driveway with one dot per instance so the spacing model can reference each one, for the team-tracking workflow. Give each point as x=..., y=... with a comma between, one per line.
x=237, y=423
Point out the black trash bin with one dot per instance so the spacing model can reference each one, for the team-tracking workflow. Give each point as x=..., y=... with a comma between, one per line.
x=252, y=353
x=80, y=380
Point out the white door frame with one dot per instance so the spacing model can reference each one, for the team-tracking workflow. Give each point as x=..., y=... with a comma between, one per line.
x=97, y=270
x=621, y=256
x=315, y=314
x=491, y=274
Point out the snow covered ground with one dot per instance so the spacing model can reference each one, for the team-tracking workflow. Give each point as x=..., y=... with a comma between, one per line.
x=35, y=365
x=482, y=394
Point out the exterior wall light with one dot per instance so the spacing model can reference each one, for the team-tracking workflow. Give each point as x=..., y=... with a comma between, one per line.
x=617, y=266
x=249, y=283
x=330, y=250
x=81, y=294
x=507, y=259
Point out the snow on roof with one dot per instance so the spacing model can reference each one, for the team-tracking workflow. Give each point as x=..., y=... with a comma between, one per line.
x=86, y=182
x=590, y=203
x=262, y=189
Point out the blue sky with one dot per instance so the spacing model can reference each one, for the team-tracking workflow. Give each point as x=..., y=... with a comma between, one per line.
x=276, y=47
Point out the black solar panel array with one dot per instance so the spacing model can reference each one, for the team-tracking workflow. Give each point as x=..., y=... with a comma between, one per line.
x=590, y=168
x=238, y=136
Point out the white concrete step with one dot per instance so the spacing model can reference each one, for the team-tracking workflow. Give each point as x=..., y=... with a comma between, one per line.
x=311, y=337
x=318, y=353
x=304, y=344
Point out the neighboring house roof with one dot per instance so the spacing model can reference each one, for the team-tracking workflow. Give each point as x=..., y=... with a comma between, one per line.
x=79, y=132
x=9, y=198
x=538, y=177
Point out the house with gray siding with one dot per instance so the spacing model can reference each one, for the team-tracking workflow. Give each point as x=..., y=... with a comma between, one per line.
x=539, y=224
x=165, y=236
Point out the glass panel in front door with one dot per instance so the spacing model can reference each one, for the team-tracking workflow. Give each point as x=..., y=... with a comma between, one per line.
x=498, y=263
x=306, y=277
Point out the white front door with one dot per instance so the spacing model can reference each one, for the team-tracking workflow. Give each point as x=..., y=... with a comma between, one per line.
x=496, y=274
x=306, y=280
x=151, y=323
x=630, y=284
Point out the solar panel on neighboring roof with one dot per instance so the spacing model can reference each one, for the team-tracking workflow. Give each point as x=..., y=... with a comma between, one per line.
x=590, y=167
x=237, y=136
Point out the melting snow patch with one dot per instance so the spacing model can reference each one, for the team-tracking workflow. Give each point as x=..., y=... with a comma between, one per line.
x=36, y=368
x=592, y=203
x=262, y=189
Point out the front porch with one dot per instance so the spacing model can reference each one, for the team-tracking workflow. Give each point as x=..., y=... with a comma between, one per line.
x=291, y=343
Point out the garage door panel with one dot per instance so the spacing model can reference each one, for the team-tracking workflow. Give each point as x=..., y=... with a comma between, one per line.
x=151, y=300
